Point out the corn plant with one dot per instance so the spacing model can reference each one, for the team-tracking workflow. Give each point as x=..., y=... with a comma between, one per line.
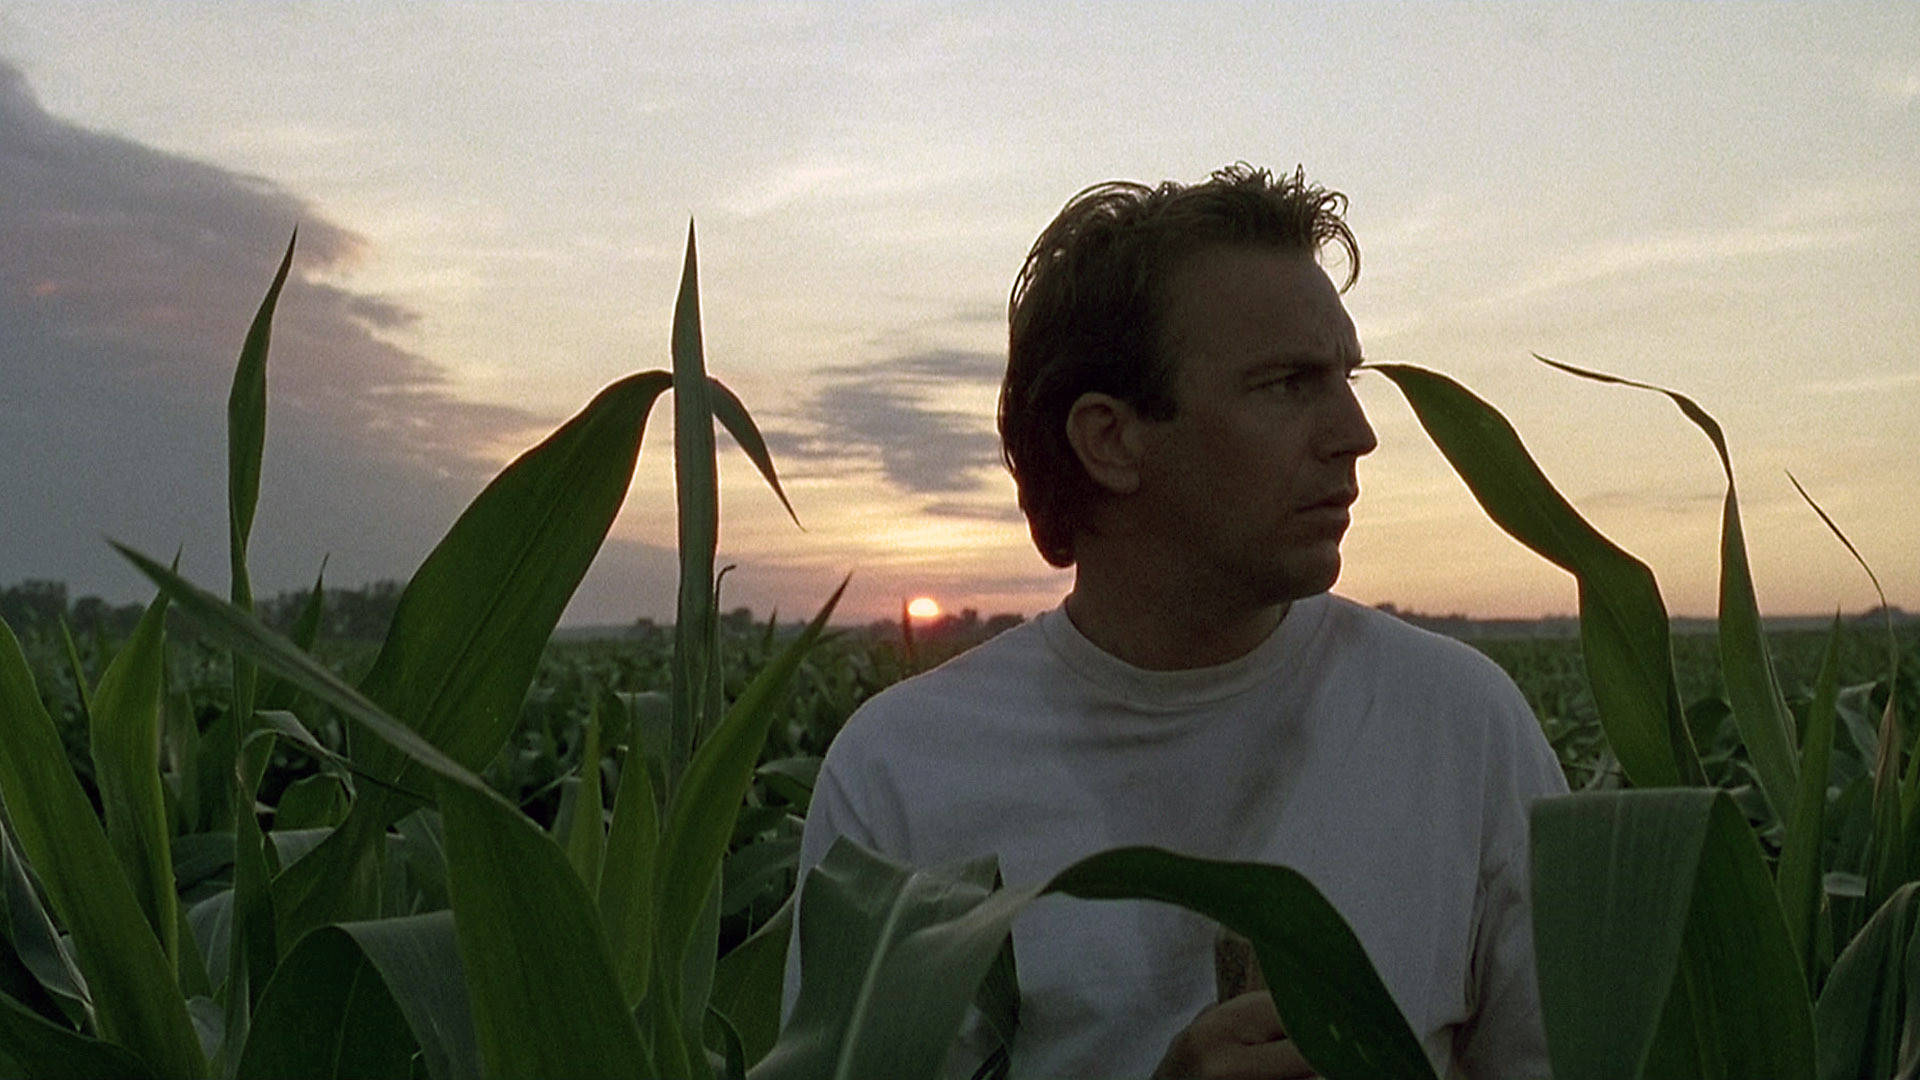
x=590, y=954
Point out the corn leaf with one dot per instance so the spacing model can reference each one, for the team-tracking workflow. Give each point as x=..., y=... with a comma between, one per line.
x=29, y=935
x=1331, y=1000
x=733, y=415
x=247, y=428
x=545, y=999
x=1799, y=875
x=1659, y=941
x=126, y=761
x=748, y=980
x=700, y=818
x=327, y=1015
x=586, y=836
x=77, y=672
x=135, y=997
x=1867, y=1006
x=1759, y=709
x=697, y=498
x=47, y=1051
x=891, y=956
x=410, y=964
x=1624, y=631
x=277, y=694
x=472, y=623
x=626, y=877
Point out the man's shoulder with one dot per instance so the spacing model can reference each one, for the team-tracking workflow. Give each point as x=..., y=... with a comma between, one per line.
x=984, y=679
x=1388, y=639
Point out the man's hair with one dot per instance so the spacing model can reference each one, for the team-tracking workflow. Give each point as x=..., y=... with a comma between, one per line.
x=1085, y=313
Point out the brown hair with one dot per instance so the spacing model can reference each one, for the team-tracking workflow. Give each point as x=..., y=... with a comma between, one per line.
x=1084, y=313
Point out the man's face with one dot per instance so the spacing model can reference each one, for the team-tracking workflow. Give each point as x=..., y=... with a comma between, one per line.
x=1246, y=489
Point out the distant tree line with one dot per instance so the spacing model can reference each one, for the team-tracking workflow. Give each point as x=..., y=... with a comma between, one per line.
x=350, y=614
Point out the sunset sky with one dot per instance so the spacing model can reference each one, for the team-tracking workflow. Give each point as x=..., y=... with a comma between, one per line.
x=492, y=199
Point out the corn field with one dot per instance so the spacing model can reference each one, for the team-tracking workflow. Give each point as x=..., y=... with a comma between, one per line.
x=474, y=851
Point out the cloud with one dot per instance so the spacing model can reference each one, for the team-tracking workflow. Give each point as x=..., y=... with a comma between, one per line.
x=884, y=410
x=129, y=278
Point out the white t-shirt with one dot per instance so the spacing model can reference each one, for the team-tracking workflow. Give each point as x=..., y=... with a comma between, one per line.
x=1391, y=766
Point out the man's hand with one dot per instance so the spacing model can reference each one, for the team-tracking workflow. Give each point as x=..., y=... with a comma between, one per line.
x=1238, y=1039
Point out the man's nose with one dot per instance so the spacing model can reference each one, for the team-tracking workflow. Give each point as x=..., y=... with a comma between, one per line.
x=1347, y=433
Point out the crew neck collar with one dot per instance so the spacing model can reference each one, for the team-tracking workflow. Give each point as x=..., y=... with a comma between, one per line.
x=1145, y=690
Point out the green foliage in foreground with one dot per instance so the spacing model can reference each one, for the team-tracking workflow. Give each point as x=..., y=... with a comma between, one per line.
x=474, y=852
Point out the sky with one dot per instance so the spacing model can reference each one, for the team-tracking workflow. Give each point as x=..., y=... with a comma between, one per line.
x=492, y=202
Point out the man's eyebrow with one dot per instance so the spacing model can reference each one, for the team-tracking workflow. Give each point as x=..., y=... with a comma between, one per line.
x=1304, y=358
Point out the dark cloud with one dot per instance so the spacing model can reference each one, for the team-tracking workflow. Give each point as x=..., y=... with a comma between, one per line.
x=127, y=279
x=882, y=411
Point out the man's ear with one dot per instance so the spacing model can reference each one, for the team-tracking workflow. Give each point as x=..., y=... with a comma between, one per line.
x=1105, y=434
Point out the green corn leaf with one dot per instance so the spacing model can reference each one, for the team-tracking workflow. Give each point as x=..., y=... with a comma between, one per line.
x=1861, y=1028
x=545, y=998
x=472, y=623
x=277, y=694
x=1624, y=632
x=327, y=1015
x=739, y=423
x=30, y=935
x=1798, y=879
x=1331, y=1000
x=136, y=999
x=587, y=832
x=77, y=672
x=700, y=817
x=1896, y=801
x=1759, y=709
x=126, y=761
x=406, y=969
x=247, y=427
x=697, y=498
x=226, y=624
x=748, y=981
x=891, y=956
x=626, y=877
x=1659, y=941
x=47, y=1051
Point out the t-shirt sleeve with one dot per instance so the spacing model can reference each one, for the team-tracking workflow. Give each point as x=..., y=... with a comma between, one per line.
x=1506, y=1039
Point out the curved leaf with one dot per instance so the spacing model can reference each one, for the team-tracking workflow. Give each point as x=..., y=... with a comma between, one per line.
x=1862, y=1029
x=126, y=760
x=473, y=621
x=545, y=999
x=747, y=983
x=1746, y=664
x=1659, y=941
x=359, y=979
x=1328, y=994
x=733, y=415
x=47, y=1051
x=1624, y=631
x=891, y=956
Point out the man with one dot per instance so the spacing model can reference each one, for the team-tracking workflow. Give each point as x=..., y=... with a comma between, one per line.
x=1178, y=415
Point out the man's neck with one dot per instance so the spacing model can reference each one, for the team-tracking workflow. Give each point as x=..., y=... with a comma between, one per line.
x=1162, y=633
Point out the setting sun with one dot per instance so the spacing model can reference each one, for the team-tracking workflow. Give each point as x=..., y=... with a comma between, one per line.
x=924, y=607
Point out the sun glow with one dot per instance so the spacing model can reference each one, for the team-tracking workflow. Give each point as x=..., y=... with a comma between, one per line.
x=923, y=607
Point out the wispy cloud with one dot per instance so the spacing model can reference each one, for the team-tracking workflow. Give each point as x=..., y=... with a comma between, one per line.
x=128, y=280
x=884, y=412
